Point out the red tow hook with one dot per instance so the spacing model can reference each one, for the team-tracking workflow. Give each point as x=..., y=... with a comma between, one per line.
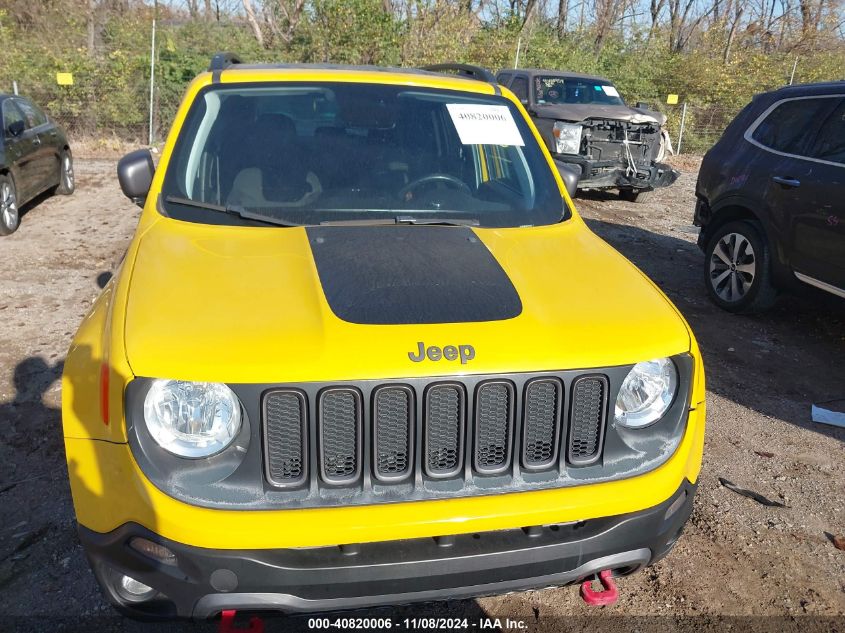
x=227, y=623
x=608, y=595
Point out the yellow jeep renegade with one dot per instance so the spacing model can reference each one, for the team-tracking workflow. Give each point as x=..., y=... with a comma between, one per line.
x=362, y=350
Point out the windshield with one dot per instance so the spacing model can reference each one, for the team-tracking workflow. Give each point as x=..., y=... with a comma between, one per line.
x=307, y=154
x=557, y=90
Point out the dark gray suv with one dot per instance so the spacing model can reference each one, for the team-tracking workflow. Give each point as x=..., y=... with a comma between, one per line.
x=768, y=198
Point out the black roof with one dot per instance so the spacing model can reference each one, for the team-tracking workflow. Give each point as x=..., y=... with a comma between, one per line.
x=554, y=73
x=823, y=87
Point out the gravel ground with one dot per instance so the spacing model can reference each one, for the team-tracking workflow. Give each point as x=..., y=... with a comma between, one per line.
x=739, y=564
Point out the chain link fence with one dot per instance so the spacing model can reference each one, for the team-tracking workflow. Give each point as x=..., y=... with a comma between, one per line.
x=693, y=127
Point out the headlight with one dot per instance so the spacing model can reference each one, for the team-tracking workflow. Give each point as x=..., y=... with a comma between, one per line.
x=646, y=393
x=567, y=137
x=192, y=419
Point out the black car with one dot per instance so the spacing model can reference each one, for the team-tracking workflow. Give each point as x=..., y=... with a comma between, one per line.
x=769, y=203
x=34, y=157
x=586, y=124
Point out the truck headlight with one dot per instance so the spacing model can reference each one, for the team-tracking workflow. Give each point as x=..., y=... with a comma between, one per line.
x=192, y=419
x=567, y=137
x=646, y=393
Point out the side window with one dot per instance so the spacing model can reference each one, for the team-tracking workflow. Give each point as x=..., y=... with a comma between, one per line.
x=503, y=78
x=830, y=141
x=34, y=115
x=11, y=114
x=520, y=88
x=787, y=127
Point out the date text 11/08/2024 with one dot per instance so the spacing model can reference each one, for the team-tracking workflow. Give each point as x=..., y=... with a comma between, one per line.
x=425, y=624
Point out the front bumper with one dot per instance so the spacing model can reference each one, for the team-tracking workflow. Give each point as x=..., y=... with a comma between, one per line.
x=205, y=581
x=607, y=174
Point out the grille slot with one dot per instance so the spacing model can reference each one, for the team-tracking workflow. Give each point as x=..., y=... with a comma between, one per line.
x=392, y=420
x=493, y=424
x=444, y=432
x=586, y=422
x=540, y=431
x=340, y=435
x=285, y=437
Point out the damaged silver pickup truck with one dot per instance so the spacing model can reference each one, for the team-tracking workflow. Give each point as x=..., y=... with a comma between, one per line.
x=587, y=125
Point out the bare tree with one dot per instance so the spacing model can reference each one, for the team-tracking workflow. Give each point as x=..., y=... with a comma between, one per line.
x=739, y=9
x=562, y=17
x=253, y=22
x=607, y=15
x=655, y=10
x=283, y=17
x=683, y=22
x=91, y=24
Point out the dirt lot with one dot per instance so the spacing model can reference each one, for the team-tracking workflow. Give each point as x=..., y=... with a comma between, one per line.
x=772, y=568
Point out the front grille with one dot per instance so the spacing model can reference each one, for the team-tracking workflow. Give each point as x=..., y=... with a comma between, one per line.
x=493, y=413
x=285, y=437
x=444, y=430
x=433, y=436
x=393, y=422
x=340, y=432
x=586, y=422
x=541, y=425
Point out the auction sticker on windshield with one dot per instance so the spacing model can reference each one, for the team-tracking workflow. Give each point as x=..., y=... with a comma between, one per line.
x=610, y=91
x=479, y=124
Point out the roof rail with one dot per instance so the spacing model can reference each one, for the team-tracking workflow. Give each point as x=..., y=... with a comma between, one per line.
x=221, y=61
x=464, y=70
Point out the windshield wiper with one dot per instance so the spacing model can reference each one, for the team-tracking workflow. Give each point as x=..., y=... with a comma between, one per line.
x=402, y=219
x=410, y=219
x=230, y=210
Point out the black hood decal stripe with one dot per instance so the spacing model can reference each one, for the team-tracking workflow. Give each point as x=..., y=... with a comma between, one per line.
x=398, y=275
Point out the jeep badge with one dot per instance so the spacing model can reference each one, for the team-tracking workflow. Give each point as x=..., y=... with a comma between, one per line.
x=465, y=352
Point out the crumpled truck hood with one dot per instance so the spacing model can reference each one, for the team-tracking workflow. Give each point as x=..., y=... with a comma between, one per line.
x=248, y=305
x=577, y=112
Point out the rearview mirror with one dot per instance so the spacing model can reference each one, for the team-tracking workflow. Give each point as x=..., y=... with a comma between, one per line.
x=15, y=128
x=570, y=174
x=135, y=175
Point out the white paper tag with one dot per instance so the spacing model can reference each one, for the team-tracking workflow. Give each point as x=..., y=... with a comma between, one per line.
x=484, y=124
x=610, y=91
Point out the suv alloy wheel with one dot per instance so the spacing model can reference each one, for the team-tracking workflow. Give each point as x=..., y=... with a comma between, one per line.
x=737, y=272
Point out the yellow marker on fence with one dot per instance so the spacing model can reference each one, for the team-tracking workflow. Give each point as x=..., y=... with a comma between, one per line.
x=64, y=79
x=672, y=99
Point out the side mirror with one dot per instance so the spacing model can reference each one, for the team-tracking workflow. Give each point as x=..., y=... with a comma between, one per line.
x=642, y=105
x=570, y=174
x=15, y=128
x=135, y=175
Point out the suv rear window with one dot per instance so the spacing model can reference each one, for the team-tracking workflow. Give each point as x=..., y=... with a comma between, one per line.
x=830, y=140
x=328, y=152
x=787, y=127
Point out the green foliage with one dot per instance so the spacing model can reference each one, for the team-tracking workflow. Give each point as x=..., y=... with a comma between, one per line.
x=111, y=83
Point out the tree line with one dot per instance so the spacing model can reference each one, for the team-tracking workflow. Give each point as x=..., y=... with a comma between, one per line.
x=710, y=52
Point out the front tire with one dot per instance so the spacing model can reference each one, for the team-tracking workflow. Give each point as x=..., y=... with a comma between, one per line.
x=637, y=196
x=737, y=268
x=67, y=179
x=9, y=211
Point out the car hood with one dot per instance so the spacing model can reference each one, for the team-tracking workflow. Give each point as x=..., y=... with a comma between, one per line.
x=252, y=304
x=582, y=111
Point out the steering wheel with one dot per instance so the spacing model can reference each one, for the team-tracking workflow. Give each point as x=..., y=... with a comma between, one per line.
x=444, y=178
